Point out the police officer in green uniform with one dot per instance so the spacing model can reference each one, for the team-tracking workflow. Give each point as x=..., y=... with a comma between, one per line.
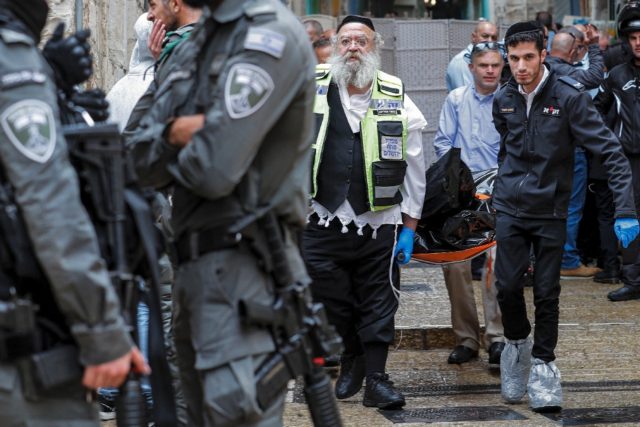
x=234, y=144
x=76, y=304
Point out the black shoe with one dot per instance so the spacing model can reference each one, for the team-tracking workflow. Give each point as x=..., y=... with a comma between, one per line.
x=495, y=351
x=380, y=393
x=607, y=276
x=352, y=370
x=107, y=407
x=462, y=354
x=625, y=293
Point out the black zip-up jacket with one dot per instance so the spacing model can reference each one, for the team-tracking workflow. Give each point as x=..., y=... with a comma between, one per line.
x=535, y=161
x=622, y=86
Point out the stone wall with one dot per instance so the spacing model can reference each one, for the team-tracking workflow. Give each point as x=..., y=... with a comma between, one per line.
x=111, y=23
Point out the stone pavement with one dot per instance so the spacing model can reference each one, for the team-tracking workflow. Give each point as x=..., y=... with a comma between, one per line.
x=597, y=355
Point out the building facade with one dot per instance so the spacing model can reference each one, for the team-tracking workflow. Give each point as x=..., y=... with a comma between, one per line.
x=111, y=22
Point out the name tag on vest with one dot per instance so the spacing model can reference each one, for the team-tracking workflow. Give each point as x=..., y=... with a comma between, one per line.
x=390, y=147
x=385, y=107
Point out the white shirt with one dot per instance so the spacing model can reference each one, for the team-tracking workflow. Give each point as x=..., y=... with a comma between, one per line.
x=529, y=96
x=412, y=190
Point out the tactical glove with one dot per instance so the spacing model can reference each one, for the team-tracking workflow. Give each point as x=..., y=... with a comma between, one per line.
x=626, y=230
x=69, y=57
x=94, y=101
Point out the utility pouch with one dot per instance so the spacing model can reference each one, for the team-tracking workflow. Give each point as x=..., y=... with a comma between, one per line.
x=271, y=379
x=390, y=140
x=387, y=179
x=56, y=367
x=16, y=251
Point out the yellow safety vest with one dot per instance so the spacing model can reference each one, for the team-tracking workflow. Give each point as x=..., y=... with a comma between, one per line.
x=383, y=132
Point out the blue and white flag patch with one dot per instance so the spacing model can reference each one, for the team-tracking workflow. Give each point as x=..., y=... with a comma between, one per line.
x=267, y=41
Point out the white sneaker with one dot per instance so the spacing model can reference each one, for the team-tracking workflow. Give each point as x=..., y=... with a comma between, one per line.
x=545, y=390
x=515, y=363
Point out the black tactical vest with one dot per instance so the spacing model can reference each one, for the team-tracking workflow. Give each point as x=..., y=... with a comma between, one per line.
x=341, y=170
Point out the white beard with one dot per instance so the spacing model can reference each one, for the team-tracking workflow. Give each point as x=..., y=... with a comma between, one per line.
x=359, y=74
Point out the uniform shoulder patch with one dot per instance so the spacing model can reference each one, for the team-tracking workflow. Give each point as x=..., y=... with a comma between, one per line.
x=572, y=82
x=21, y=78
x=11, y=37
x=247, y=88
x=265, y=40
x=253, y=9
x=31, y=128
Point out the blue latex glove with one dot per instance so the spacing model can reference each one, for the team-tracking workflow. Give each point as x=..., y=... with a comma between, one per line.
x=626, y=230
x=404, y=246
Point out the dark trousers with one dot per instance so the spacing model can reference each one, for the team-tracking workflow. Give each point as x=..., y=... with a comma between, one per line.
x=631, y=255
x=350, y=275
x=515, y=237
x=606, y=211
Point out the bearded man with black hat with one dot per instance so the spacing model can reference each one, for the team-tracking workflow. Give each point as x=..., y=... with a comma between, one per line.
x=367, y=190
x=58, y=311
x=541, y=117
x=620, y=89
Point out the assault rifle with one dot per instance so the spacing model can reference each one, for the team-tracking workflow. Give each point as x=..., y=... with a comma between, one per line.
x=302, y=334
x=129, y=244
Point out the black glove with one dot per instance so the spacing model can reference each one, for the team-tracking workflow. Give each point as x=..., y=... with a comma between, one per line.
x=69, y=57
x=94, y=101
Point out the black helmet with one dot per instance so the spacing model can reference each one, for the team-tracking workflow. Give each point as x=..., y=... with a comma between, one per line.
x=628, y=19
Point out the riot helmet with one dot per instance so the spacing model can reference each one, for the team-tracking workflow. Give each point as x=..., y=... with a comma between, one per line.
x=628, y=20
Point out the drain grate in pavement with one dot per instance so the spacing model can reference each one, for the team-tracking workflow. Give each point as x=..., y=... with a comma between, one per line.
x=415, y=287
x=461, y=389
x=590, y=416
x=455, y=414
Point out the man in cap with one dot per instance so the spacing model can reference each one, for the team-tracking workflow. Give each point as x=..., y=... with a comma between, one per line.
x=541, y=117
x=368, y=186
x=620, y=89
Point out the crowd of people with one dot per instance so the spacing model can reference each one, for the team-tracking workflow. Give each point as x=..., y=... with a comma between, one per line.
x=536, y=244
x=229, y=118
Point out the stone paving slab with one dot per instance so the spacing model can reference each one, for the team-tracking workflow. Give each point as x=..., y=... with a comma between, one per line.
x=598, y=356
x=424, y=318
x=590, y=380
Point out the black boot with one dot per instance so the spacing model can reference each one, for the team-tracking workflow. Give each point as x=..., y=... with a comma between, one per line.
x=380, y=393
x=352, y=369
x=625, y=293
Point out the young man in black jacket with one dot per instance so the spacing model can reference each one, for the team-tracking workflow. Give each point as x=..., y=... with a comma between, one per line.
x=541, y=117
x=620, y=88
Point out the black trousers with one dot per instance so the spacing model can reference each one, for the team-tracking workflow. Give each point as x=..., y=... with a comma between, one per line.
x=515, y=237
x=350, y=276
x=631, y=255
x=605, y=215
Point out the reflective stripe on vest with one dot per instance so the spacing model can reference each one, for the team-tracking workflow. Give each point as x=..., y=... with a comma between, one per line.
x=383, y=134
